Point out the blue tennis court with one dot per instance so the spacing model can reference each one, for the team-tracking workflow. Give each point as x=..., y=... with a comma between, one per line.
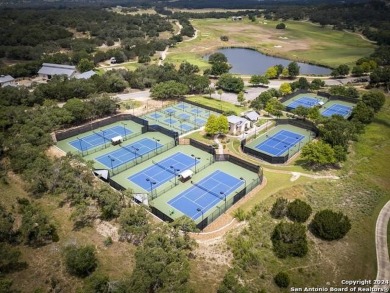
x=280, y=142
x=186, y=127
x=184, y=116
x=128, y=153
x=155, y=115
x=337, y=109
x=306, y=102
x=199, y=122
x=99, y=137
x=170, y=111
x=205, y=194
x=196, y=111
x=181, y=105
x=162, y=171
x=170, y=121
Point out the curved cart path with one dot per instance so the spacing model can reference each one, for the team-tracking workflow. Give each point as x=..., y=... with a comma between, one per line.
x=382, y=250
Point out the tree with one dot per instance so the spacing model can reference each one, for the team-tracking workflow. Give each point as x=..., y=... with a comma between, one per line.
x=80, y=261
x=279, y=208
x=271, y=72
x=374, y=99
x=318, y=153
x=274, y=107
x=344, y=91
x=79, y=110
x=134, y=224
x=211, y=127
x=97, y=283
x=293, y=69
x=282, y=280
x=217, y=57
x=362, y=113
x=285, y=88
x=337, y=131
x=256, y=80
x=298, y=211
x=329, y=225
x=6, y=224
x=301, y=111
x=232, y=284
x=280, y=26
x=10, y=259
x=357, y=70
x=36, y=228
x=223, y=124
x=219, y=68
x=224, y=38
x=187, y=68
x=85, y=65
x=316, y=84
x=314, y=113
x=289, y=239
x=230, y=83
x=241, y=98
x=168, y=89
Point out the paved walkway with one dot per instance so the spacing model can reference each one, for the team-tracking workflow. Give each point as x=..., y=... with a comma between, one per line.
x=382, y=250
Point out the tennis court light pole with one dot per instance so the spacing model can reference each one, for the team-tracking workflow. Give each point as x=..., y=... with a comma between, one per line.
x=200, y=210
x=156, y=140
x=223, y=194
x=81, y=147
x=195, y=158
x=151, y=186
x=124, y=128
x=112, y=160
x=136, y=154
x=175, y=171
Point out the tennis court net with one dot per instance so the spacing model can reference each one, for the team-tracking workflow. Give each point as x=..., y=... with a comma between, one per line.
x=101, y=135
x=163, y=167
x=205, y=189
x=129, y=150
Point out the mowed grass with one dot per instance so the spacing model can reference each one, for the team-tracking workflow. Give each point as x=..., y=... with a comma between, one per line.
x=217, y=104
x=300, y=41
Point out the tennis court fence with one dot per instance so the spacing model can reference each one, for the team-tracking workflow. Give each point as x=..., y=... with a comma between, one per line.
x=202, y=106
x=163, y=130
x=107, y=143
x=64, y=134
x=142, y=158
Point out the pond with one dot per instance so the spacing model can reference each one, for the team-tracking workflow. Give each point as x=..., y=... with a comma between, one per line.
x=247, y=61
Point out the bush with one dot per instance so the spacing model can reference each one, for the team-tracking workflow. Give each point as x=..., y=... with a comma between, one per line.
x=80, y=261
x=281, y=26
x=279, y=208
x=240, y=215
x=298, y=211
x=282, y=280
x=330, y=225
x=289, y=239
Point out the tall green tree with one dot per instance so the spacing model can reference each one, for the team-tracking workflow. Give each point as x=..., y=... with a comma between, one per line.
x=374, y=99
x=293, y=69
x=223, y=124
x=329, y=225
x=169, y=89
x=230, y=83
x=318, y=153
x=289, y=239
x=211, y=127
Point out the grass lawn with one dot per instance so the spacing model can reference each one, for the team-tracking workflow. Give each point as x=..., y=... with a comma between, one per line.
x=300, y=41
x=217, y=104
x=198, y=135
x=130, y=104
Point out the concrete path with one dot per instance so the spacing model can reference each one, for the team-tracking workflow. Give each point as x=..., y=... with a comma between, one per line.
x=382, y=251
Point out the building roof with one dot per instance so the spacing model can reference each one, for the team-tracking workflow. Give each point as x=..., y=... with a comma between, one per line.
x=57, y=69
x=6, y=78
x=252, y=115
x=236, y=120
x=85, y=75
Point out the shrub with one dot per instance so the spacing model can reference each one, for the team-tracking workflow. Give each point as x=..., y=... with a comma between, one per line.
x=281, y=26
x=330, y=225
x=289, y=239
x=80, y=261
x=279, y=208
x=298, y=211
x=282, y=280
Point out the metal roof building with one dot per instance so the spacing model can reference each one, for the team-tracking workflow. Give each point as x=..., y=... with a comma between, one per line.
x=6, y=80
x=85, y=75
x=49, y=69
